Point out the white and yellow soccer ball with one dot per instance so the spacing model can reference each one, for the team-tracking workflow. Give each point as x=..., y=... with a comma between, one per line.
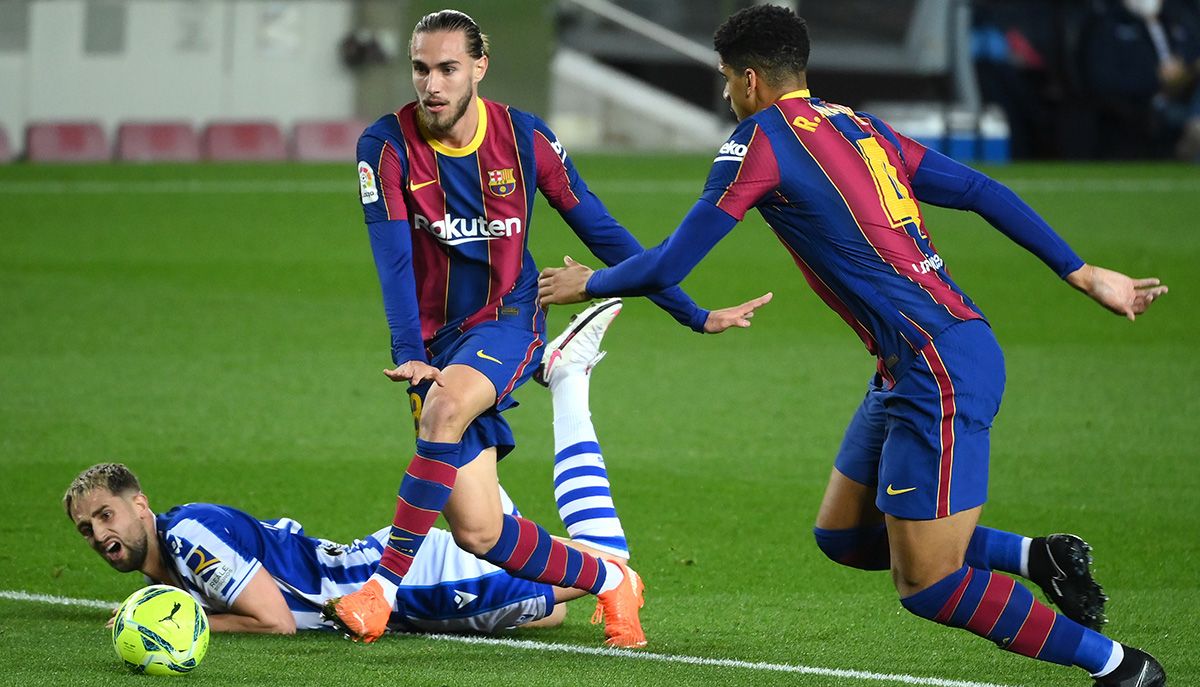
x=160, y=630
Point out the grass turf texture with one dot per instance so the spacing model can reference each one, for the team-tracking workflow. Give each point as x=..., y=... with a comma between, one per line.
x=219, y=330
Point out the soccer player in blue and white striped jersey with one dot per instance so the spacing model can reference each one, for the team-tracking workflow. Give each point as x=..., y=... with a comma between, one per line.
x=269, y=576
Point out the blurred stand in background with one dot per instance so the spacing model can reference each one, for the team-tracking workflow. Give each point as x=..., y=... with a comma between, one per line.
x=1016, y=48
x=981, y=80
x=1093, y=79
x=1139, y=63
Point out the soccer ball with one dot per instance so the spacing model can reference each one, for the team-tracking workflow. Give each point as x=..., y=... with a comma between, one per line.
x=160, y=630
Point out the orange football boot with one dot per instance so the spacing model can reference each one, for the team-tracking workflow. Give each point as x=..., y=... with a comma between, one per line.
x=362, y=614
x=618, y=608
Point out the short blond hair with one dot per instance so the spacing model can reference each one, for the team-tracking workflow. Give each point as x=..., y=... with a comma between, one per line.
x=114, y=477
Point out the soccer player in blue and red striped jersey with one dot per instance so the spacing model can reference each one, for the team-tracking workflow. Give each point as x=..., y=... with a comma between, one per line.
x=840, y=189
x=447, y=186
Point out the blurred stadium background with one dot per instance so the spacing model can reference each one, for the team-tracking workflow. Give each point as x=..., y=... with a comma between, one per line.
x=139, y=80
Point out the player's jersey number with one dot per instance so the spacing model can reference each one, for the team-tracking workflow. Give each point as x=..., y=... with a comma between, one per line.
x=893, y=196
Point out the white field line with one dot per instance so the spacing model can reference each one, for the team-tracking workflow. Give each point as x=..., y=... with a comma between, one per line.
x=59, y=600
x=633, y=186
x=863, y=675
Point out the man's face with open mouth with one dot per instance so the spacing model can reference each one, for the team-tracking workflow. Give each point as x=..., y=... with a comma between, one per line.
x=112, y=527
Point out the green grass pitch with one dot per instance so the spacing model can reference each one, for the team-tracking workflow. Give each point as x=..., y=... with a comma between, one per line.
x=219, y=329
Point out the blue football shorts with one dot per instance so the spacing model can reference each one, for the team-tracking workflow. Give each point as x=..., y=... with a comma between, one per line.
x=923, y=444
x=507, y=354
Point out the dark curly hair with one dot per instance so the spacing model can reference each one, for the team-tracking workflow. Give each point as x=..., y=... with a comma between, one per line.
x=451, y=21
x=769, y=39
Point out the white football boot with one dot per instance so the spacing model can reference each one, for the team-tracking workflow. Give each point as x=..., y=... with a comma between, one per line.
x=578, y=347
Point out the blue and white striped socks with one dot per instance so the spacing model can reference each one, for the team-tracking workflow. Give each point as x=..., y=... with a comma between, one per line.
x=581, y=487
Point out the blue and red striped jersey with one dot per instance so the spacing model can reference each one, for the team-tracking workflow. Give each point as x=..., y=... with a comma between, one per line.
x=834, y=185
x=840, y=189
x=469, y=211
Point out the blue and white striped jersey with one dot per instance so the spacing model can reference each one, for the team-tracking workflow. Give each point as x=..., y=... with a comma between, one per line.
x=215, y=550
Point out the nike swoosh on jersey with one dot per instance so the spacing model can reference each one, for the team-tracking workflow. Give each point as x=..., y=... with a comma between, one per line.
x=417, y=187
x=892, y=491
x=485, y=356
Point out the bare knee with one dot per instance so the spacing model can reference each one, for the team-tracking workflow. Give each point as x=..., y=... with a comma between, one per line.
x=912, y=579
x=445, y=417
x=926, y=551
x=477, y=538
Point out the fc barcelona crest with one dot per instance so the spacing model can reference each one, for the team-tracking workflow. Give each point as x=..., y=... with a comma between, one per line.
x=501, y=182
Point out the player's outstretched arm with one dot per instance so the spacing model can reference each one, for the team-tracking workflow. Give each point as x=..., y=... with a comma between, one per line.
x=607, y=239
x=648, y=272
x=1118, y=292
x=941, y=181
x=568, y=284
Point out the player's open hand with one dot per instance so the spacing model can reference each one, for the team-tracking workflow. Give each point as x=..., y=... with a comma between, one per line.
x=1119, y=293
x=737, y=316
x=563, y=285
x=112, y=619
x=414, y=372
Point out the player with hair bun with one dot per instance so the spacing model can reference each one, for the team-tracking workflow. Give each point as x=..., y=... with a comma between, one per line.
x=447, y=186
